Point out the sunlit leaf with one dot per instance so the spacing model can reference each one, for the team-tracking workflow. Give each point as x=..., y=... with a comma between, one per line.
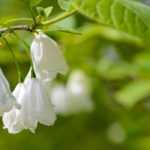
x=35, y=2
x=126, y=15
x=48, y=11
x=134, y=92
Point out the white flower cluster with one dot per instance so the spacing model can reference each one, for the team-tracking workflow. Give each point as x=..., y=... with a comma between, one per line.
x=30, y=103
x=73, y=98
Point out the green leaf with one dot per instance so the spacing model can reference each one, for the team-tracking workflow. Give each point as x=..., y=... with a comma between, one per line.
x=40, y=10
x=32, y=3
x=133, y=93
x=66, y=4
x=142, y=63
x=112, y=70
x=67, y=25
x=35, y=2
x=45, y=12
x=59, y=29
x=110, y=34
x=48, y=11
x=126, y=15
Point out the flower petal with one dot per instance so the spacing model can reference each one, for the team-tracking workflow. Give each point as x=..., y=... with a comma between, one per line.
x=47, y=57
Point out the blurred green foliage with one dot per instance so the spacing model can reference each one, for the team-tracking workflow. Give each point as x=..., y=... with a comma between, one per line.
x=118, y=65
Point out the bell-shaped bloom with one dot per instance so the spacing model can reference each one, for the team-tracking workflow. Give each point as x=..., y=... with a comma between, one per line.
x=7, y=100
x=59, y=98
x=75, y=97
x=35, y=107
x=47, y=58
x=79, y=92
x=13, y=120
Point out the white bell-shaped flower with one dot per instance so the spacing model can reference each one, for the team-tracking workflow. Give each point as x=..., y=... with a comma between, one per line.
x=7, y=100
x=13, y=120
x=47, y=57
x=79, y=92
x=59, y=98
x=43, y=108
x=10, y=121
x=75, y=97
x=35, y=107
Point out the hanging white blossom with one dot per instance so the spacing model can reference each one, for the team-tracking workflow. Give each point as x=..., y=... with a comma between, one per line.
x=79, y=92
x=7, y=100
x=75, y=97
x=59, y=98
x=35, y=107
x=47, y=57
x=13, y=120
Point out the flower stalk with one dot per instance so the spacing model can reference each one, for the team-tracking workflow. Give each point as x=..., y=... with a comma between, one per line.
x=31, y=28
x=15, y=60
x=59, y=18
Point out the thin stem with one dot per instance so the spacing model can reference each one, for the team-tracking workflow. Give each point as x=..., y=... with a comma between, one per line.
x=30, y=28
x=27, y=47
x=30, y=11
x=64, y=30
x=24, y=42
x=59, y=18
x=15, y=28
x=14, y=20
x=15, y=60
x=32, y=14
